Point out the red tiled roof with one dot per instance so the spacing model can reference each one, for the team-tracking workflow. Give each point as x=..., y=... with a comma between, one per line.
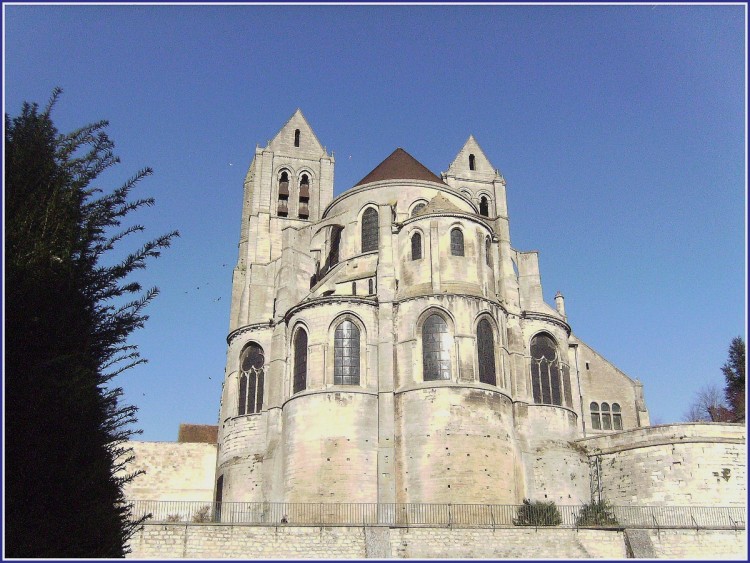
x=400, y=165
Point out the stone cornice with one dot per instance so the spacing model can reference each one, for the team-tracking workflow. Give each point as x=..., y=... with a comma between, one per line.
x=382, y=183
x=533, y=315
x=468, y=296
x=247, y=328
x=327, y=300
x=452, y=214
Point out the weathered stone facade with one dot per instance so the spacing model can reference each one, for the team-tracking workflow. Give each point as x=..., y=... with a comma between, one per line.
x=434, y=415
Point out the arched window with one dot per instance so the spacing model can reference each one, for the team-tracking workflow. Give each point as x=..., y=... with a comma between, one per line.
x=616, y=417
x=416, y=246
x=486, y=352
x=296, y=137
x=252, y=360
x=304, y=197
x=300, y=361
x=457, y=242
x=484, y=207
x=346, y=354
x=596, y=421
x=371, y=286
x=436, y=349
x=417, y=208
x=472, y=162
x=487, y=250
x=606, y=417
x=545, y=370
x=333, y=249
x=369, y=230
x=283, y=206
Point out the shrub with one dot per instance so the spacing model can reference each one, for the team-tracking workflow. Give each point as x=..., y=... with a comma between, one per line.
x=597, y=513
x=537, y=513
x=203, y=514
x=173, y=518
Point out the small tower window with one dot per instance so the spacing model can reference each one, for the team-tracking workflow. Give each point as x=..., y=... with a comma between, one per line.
x=416, y=246
x=369, y=230
x=296, y=137
x=371, y=286
x=457, y=242
x=484, y=207
x=472, y=162
x=487, y=250
x=354, y=288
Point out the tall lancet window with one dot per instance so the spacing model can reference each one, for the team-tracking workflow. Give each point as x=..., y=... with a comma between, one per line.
x=300, y=361
x=296, y=137
x=252, y=360
x=486, y=352
x=370, y=230
x=346, y=354
x=487, y=250
x=472, y=162
x=436, y=349
x=550, y=377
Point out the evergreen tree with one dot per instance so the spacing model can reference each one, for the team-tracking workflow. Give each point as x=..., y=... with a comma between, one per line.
x=67, y=319
x=734, y=375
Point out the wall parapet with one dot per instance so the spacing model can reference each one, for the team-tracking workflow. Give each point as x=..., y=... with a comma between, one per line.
x=682, y=433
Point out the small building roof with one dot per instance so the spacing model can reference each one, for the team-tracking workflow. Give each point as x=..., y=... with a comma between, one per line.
x=400, y=165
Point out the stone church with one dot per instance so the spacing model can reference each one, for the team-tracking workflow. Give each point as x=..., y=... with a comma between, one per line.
x=391, y=345
x=391, y=361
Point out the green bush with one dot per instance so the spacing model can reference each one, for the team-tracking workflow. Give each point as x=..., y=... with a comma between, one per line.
x=597, y=513
x=537, y=513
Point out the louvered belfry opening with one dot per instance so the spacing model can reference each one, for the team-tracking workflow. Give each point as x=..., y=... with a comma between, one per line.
x=283, y=207
x=304, y=197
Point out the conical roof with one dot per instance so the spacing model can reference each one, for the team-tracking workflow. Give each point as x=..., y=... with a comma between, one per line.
x=400, y=165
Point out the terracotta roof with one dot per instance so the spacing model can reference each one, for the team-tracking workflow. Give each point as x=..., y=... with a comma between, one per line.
x=400, y=165
x=204, y=433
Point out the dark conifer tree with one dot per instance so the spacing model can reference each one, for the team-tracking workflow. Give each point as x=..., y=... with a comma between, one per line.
x=68, y=315
x=734, y=375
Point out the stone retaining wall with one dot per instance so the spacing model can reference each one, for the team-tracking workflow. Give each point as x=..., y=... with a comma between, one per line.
x=222, y=541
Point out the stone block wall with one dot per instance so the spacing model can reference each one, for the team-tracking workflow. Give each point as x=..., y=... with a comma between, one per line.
x=219, y=541
x=698, y=464
x=699, y=544
x=173, y=471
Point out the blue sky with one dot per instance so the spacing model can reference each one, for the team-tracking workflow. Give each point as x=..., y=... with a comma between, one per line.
x=620, y=131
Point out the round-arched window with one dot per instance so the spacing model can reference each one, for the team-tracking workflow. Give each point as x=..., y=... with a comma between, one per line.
x=436, y=349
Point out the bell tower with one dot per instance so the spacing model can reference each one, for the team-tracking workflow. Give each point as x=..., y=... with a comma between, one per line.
x=289, y=184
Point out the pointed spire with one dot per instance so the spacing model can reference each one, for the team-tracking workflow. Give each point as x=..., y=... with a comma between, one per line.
x=400, y=165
